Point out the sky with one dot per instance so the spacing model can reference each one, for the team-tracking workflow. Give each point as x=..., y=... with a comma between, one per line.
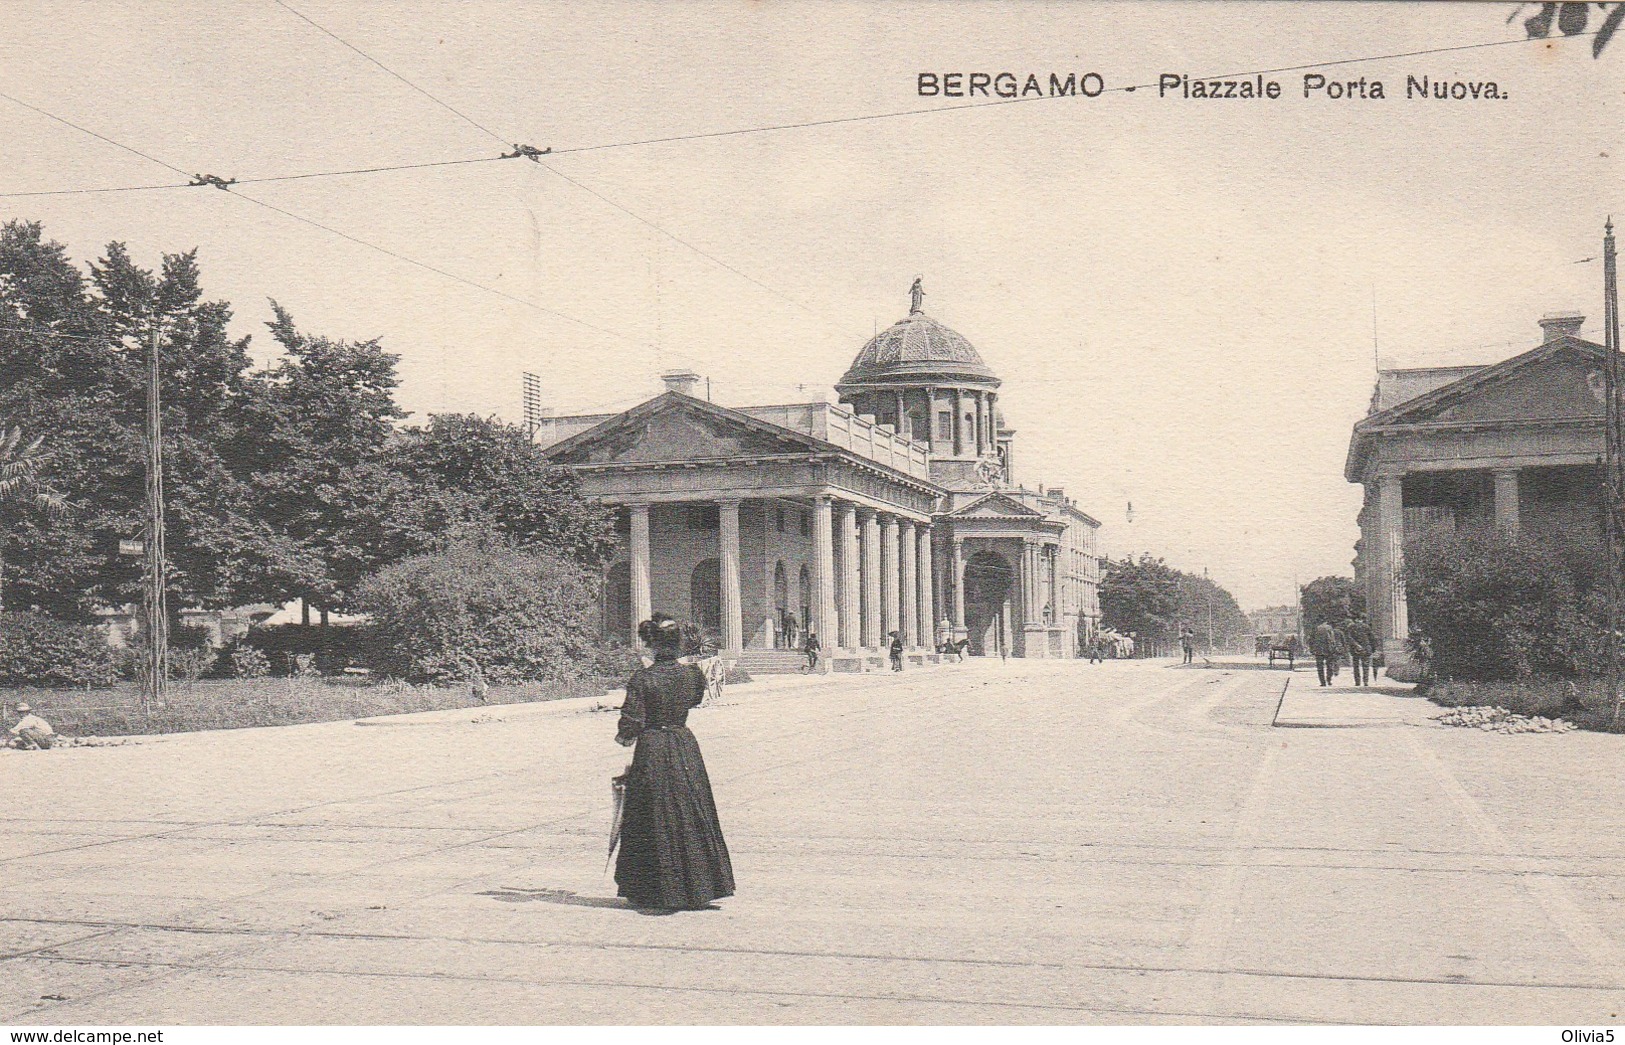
x=1181, y=296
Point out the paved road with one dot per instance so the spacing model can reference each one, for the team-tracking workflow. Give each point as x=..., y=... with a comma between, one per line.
x=986, y=843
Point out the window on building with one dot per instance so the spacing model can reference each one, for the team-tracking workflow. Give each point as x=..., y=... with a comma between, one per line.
x=945, y=425
x=702, y=517
x=806, y=524
x=781, y=520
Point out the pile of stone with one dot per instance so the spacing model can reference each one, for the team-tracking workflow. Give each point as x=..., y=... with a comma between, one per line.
x=1500, y=720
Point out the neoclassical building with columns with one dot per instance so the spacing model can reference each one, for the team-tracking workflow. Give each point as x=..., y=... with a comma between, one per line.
x=895, y=511
x=1515, y=445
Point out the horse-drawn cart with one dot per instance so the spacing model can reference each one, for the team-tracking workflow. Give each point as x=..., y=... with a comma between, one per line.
x=1279, y=647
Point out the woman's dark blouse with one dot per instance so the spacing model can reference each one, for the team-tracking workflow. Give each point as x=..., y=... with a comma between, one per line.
x=658, y=697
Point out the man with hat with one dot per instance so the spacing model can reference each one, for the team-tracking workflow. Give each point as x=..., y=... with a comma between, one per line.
x=31, y=733
x=1361, y=644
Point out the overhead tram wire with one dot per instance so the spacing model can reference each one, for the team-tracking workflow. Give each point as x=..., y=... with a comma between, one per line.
x=699, y=136
x=230, y=187
x=440, y=271
x=553, y=170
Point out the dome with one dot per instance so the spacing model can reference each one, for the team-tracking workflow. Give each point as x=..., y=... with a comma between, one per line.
x=916, y=348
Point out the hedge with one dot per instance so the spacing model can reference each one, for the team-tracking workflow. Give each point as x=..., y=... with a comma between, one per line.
x=519, y=616
x=36, y=650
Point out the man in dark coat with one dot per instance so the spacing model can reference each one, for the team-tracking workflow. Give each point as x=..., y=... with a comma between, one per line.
x=896, y=648
x=811, y=647
x=1323, y=644
x=1361, y=644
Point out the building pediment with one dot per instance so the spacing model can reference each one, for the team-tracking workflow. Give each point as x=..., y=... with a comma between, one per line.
x=1559, y=381
x=996, y=506
x=674, y=428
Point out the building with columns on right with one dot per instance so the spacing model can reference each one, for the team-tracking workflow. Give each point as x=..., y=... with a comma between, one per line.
x=1516, y=445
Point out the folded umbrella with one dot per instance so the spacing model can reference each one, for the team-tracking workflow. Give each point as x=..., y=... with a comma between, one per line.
x=617, y=790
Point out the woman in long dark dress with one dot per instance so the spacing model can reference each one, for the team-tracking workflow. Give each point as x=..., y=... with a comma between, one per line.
x=672, y=855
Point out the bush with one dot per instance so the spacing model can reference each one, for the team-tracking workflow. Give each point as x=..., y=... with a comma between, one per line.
x=36, y=650
x=520, y=616
x=1494, y=606
x=191, y=663
x=249, y=662
x=331, y=649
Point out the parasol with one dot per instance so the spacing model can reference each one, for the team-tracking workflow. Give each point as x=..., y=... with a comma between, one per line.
x=617, y=790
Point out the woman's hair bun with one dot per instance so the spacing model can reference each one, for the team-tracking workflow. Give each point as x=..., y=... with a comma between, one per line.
x=661, y=629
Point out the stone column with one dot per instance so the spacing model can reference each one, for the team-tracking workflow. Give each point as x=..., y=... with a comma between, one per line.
x=931, y=418
x=927, y=603
x=1506, y=500
x=959, y=422
x=824, y=573
x=639, y=567
x=889, y=588
x=976, y=410
x=1057, y=605
x=1387, y=585
x=847, y=523
x=733, y=626
x=909, y=594
x=959, y=587
x=869, y=539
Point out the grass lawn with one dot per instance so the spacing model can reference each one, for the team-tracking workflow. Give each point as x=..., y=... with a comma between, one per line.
x=239, y=703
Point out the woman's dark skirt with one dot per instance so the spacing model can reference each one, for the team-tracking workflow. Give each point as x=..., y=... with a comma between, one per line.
x=672, y=853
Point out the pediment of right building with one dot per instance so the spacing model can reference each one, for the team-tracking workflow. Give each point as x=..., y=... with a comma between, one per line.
x=1563, y=379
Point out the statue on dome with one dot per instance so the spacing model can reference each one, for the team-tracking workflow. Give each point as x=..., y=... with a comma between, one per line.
x=916, y=295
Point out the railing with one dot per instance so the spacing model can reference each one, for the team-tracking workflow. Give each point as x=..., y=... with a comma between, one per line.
x=849, y=431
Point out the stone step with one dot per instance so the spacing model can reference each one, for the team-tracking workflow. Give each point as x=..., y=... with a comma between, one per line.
x=772, y=662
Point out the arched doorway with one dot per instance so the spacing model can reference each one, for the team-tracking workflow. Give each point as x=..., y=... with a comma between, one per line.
x=988, y=580
x=781, y=607
x=617, y=603
x=705, y=595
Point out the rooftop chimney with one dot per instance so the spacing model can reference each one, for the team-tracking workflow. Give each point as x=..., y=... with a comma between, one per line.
x=683, y=382
x=1561, y=324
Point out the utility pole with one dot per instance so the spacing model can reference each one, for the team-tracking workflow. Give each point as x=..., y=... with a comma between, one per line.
x=1209, y=587
x=157, y=667
x=1614, y=480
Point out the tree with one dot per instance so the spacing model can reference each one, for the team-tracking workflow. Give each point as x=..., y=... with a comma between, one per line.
x=1571, y=20
x=1331, y=599
x=1200, y=601
x=482, y=477
x=1141, y=598
x=22, y=481
x=327, y=412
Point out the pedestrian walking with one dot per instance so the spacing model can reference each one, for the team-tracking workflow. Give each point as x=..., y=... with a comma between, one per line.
x=1187, y=642
x=811, y=647
x=672, y=853
x=31, y=733
x=1362, y=643
x=1340, y=649
x=896, y=652
x=1323, y=644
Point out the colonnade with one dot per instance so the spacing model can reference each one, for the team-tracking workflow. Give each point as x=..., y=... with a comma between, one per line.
x=871, y=574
